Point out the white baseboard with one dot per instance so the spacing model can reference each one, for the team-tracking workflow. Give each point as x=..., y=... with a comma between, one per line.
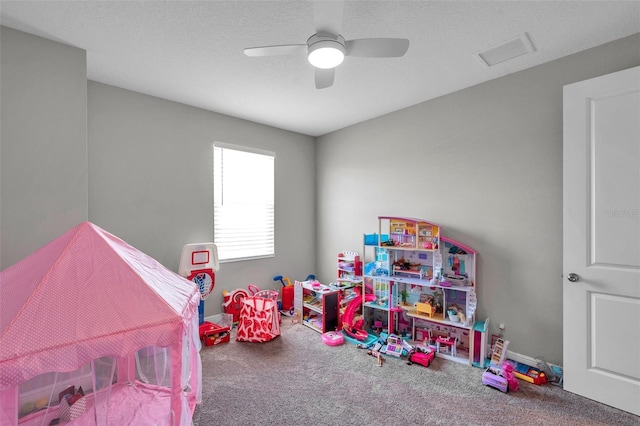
x=214, y=318
x=524, y=359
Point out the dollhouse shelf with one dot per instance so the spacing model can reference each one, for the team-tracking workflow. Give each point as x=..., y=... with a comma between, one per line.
x=349, y=268
x=422, y=282
x=345, y=282
x=377, y=306
x=439, y=320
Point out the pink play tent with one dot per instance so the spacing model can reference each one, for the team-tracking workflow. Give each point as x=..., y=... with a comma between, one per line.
x=89, y=311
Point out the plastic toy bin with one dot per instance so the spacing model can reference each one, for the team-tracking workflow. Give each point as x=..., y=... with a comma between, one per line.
x=214, y=334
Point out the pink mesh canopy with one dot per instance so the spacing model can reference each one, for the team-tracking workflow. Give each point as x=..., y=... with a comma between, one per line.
x=85, y=295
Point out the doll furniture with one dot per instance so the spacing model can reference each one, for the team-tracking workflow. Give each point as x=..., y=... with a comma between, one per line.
x=425, y=309
x=448, y=342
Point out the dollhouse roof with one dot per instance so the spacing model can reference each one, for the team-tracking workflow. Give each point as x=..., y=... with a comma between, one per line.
x=85, y=295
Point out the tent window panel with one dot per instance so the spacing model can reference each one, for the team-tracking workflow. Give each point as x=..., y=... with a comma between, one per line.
x=153, y=366
x=42, y=390
x=244, y=207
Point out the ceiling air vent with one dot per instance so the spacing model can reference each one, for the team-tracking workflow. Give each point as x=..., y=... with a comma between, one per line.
x=509, y=49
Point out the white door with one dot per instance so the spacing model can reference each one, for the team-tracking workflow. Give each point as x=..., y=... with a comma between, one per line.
x=601, y=253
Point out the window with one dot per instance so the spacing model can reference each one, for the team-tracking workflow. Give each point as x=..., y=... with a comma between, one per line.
x=243, y=202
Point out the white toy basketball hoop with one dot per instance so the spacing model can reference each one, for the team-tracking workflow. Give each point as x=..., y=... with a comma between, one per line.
x=199, y=263
x=205, y=280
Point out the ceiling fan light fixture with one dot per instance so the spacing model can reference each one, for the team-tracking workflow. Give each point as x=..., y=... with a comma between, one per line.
x=325, y=53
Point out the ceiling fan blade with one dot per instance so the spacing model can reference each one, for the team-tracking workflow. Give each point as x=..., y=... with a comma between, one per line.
x=377, y=47
x=285, y=49
x=327, y=15
x=324, y=77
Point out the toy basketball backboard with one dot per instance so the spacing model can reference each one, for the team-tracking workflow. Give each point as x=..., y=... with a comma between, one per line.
x=198, y=256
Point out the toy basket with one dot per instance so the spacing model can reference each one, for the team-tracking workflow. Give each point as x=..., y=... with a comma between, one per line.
x=259, y=317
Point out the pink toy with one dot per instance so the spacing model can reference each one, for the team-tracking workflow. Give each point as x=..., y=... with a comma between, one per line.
x=332, y=338
x=421, y=356
x=507, y=372
x=498, y=375
x=354, y=326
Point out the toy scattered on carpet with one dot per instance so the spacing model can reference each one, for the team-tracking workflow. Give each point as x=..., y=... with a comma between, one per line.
x=500, y=374
x=375, y=352
x=507, y=371
x=395, y=346
x=377, y=355
x=527, y=373
x=332, y=338
x=422, y=356
x=214, y=334
x=286, y=303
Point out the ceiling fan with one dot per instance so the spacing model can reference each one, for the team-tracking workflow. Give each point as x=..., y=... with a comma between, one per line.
x=326, y=49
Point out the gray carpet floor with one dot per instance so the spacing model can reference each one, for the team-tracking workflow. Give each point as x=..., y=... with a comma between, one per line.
x=295, y=379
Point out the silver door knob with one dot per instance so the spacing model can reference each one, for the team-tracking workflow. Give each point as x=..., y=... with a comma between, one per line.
x=573, y=277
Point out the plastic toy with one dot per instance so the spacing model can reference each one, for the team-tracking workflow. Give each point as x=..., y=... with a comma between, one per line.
x=377, y=355
x=501, y=378
x=332, y=338
x=480, y=330
x=352, y=325
x=422, y=356
x=287, y=293
x=425, y=309
x=199, y=263
x=448, y=342
x=496, y=375
x=553, y=373
x=284, y=280
x=528, y=373
x=375, y=352
x=493, y=377
x=394, y=346
x=507, y=372
x=233, y=302
x=377, y=327
x=214, y=334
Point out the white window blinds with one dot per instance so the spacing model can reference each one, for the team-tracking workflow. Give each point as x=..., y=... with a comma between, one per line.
x=243, y=213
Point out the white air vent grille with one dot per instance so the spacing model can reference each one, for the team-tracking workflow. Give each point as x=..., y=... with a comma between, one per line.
x=509, y=49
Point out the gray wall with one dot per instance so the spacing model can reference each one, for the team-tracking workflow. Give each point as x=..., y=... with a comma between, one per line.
x=43, y=142
x=151, y=183
x=486, y=164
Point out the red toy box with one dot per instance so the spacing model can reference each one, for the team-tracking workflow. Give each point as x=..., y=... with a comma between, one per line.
x=213, y=334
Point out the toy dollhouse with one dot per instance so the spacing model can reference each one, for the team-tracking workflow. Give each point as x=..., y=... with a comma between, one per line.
x=421, y=284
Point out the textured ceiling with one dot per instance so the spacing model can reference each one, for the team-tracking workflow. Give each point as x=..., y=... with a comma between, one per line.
x=192, y=51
